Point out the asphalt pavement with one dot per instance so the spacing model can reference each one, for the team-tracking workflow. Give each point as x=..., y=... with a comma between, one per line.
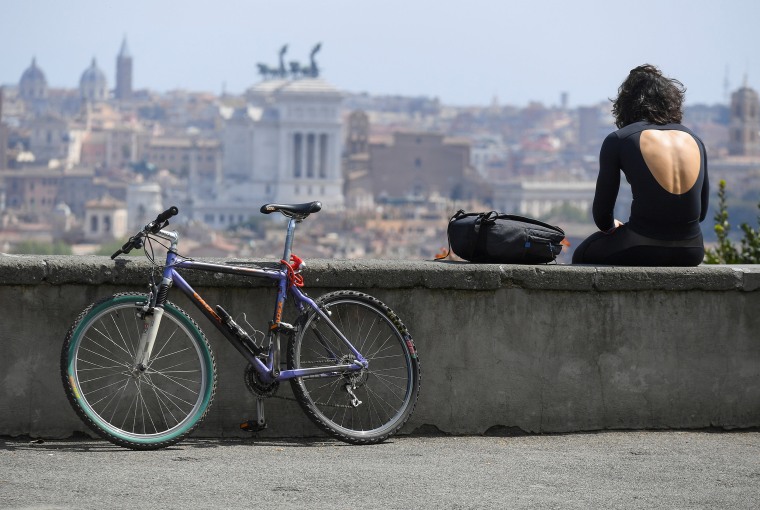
x=610, y=470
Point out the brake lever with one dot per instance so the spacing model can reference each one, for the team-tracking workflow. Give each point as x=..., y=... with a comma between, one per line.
x=136, y=241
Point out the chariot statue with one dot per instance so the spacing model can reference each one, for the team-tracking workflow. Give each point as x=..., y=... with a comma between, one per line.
x=296, y=69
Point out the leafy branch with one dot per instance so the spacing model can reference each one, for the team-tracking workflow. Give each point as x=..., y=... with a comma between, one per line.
x=725, y=252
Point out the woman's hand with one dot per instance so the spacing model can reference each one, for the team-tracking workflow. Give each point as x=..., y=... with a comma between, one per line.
x=616, y=223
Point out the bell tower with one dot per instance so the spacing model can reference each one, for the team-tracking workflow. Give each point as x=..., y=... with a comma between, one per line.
x=744, y=127
x=123, y=73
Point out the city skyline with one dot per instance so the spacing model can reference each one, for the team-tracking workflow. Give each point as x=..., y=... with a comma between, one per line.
x=462, y=53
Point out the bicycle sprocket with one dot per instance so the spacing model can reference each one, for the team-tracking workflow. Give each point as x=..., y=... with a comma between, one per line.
x=258, y=387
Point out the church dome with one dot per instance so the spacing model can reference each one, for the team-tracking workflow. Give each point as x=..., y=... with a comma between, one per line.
x=33, y=84
x=93, y=85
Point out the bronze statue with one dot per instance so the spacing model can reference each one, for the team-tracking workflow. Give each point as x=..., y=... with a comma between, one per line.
x=283, y=72
x=297, y=70
x=314, y=70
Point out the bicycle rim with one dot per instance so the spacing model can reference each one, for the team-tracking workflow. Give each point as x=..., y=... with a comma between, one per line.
x=365, y=406
x=151, y=409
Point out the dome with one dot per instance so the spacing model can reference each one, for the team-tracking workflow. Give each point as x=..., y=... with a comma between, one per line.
x=33, y=84
x=33, y=73
x=93, y=85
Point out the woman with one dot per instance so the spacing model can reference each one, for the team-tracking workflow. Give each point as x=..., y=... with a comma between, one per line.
x=666, y=166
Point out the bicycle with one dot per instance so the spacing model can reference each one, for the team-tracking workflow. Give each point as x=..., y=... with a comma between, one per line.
x=139, y=371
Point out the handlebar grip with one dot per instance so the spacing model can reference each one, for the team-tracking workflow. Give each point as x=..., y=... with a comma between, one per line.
x=172, y=211
x=119, y=252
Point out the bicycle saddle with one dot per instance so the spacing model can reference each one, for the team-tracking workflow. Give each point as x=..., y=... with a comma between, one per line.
x=297, y=210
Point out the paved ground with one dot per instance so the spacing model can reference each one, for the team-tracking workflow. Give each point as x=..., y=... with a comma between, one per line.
x=606, y=470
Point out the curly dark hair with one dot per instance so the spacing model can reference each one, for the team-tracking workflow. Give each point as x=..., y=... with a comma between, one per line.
x=648, y=95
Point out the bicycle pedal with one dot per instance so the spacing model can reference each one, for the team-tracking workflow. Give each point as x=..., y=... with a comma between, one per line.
x=252, y=426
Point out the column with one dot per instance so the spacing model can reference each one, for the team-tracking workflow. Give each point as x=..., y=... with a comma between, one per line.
x=323, y=148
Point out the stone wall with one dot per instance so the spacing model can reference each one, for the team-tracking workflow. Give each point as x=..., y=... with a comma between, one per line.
x=502, y=348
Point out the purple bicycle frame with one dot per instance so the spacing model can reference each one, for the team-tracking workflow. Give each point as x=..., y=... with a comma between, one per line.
x=303, y=302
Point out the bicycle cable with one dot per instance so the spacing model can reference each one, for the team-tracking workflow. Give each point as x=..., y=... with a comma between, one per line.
x=148, y=243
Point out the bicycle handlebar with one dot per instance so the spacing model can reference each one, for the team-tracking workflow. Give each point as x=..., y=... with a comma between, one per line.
x=161, y=221
x=172, y=211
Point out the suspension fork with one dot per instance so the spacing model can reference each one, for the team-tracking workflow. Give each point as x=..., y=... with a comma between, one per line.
x=152, y=314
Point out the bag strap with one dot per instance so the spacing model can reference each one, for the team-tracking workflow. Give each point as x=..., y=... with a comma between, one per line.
x=446, y=253
x=484, y=221
x=532, y=221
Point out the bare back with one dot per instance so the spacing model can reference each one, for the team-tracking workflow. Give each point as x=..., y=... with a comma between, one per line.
x=666, y=167
x=673, y=158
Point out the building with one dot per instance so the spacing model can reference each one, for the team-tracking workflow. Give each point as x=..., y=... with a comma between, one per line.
x=31, y=192
x=33, y=89
x=415, y=164
x=33, y=84
x=93, y=86
x=3, y=136
x=542, y=199
x=590, y=129
x=284, y=145
x=744, y=124
x=48, y=138
x=123, y=90
x=105, y=219
x=180, y=154
x=357, y=184
x=113, y=148
x=143, y=203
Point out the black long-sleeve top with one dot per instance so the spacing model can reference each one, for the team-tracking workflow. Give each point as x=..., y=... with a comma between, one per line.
x=655, y=212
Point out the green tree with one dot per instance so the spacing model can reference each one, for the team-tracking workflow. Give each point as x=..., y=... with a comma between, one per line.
x=112, y=246
x=42, y=248
x=750, y=244
x=725, y=252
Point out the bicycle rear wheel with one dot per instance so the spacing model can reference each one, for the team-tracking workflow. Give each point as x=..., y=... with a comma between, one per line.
x=365, y=406
x=141, y=410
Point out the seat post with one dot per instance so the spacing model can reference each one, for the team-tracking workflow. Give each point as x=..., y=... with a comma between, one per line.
x=289, y=239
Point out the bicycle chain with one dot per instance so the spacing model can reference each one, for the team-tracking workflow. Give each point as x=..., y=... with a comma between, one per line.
x=272, y=393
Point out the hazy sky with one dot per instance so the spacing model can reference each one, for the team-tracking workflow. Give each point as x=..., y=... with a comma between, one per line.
x=463, y=52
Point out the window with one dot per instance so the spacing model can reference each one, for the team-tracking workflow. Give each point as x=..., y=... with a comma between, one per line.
x=94, y=224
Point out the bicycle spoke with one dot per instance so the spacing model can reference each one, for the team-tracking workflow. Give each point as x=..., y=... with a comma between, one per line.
x=363, y=405
x=146, y=408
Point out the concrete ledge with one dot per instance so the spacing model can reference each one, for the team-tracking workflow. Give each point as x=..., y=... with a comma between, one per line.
x=95, y=270
x=536, y=348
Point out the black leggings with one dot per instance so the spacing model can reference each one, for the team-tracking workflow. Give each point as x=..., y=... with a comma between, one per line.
x=624, y=247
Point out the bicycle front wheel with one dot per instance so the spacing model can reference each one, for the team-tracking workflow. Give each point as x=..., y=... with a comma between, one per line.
x=365, y=406
x=147, y=408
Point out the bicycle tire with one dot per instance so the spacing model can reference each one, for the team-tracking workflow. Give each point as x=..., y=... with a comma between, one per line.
x=160, y=406
x=387, y=389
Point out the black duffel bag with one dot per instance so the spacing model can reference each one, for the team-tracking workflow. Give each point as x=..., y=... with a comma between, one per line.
x=495, y=238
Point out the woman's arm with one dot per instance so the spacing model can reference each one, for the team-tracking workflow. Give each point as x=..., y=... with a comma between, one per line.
x=705, y=186
x=607, y=184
